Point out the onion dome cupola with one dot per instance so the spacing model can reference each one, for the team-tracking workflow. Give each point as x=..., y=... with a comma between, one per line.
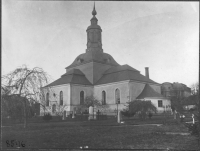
x=94, y=41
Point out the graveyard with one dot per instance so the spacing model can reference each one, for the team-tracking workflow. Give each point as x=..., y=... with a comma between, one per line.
x=159, y=132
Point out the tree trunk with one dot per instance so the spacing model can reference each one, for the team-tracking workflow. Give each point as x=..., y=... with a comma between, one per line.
x=25, y=114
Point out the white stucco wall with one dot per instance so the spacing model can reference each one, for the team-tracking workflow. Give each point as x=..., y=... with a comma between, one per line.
x=56, y=100
x=166, y=102
x=127, y=88
x=75, y=93
x=110, y=94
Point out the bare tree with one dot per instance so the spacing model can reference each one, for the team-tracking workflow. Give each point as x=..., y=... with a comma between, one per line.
x=92, y=101
x=195, y=88
x=60, y=108
x=26, y=84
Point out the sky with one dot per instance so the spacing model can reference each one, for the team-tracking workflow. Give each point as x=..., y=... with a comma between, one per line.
x=163, y=36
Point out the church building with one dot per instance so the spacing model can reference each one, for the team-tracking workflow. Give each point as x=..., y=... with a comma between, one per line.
x=96, y=73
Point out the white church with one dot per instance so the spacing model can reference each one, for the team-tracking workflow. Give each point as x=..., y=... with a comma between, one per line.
x=96, y=73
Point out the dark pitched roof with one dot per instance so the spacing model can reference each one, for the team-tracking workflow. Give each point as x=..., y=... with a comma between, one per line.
x=74, y=76
x=93, y=56
x=122, y=73
x=73, y=72
x=148, y=91
x=167, y=83
x=120, y=68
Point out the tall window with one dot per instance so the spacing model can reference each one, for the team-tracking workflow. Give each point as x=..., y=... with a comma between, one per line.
x=117, y=96
x=47, y=99
x=103, y=98
x=82, y=97
x=160, y=103
x=61, y=98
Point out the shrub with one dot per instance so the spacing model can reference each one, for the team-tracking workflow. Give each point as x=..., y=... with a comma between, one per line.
x=47, y=117
x=142, y=115
x=85, y=112
x=126, y=113
x=150, y=115
x=193, y=129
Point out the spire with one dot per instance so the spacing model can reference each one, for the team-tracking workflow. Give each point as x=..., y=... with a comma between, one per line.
x=94, y=11
x=94, y=34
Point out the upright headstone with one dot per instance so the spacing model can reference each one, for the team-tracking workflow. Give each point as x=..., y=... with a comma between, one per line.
x=95, y=115
x=175, y=114
x=91, y=112
x=73, y=114
x=67, y=113
x=98, y=114
x=193, y=121
x=64, y=115
x=119, y=117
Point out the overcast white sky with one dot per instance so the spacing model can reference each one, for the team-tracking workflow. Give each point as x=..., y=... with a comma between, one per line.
x=163, y=36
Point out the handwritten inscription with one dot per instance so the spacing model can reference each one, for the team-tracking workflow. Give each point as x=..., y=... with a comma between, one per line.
x=16, y=143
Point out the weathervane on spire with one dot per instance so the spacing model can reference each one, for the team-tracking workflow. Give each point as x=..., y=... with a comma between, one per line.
x=94, y=11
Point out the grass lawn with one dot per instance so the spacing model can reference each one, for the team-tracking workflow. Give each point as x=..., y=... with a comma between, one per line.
x=101, y=134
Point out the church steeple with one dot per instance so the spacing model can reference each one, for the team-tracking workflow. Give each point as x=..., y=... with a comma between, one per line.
x=94, y=11
x=94, y=34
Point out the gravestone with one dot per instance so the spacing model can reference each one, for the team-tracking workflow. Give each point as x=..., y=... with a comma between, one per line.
x=193, y=121
x=91, y=112
x=64, y=115
x=67, y=113
x=95, y=115
x=73, y=114
x=98, y=113
x=119, y=117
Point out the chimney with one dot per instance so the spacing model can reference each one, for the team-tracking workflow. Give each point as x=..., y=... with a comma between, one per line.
x=147, y=72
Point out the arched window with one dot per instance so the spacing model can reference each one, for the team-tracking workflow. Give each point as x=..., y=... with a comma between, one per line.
x=47, y=99
x=61, y=98
x=103, y=98
x=82, y=97
x=117, y=96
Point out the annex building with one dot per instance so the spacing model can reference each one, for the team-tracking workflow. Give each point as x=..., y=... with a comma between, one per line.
x=96, y=73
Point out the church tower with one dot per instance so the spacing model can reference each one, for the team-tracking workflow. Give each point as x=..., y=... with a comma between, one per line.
x=94, y=62
x=94, y=41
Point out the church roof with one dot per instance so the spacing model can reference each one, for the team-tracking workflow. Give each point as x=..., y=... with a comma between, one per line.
x=120, y=68
x=148, y=91
x=74, y=76
x=93, y=56
x=122, y=73
x=73, y=72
